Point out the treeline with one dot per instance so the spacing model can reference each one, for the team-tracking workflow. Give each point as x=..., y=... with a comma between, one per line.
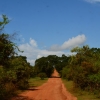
x=14, y=70
x=46, y=65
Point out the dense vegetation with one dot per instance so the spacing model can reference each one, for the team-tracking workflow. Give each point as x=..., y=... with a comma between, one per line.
x=84, y=69
x=14, y=70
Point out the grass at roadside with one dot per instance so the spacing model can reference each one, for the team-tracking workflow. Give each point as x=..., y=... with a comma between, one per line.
x=34, y=82
x=81, y=95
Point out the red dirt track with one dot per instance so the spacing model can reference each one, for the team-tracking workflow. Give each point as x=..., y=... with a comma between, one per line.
x=53, y=89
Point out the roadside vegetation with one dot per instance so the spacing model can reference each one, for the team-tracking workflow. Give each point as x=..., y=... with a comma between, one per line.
x=84, y=69
x=14, y=70
x=80, y=94
x=81, y=70
x=35, y=82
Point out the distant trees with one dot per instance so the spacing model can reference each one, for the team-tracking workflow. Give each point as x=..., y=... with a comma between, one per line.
x=44, y=65
x=47, y=64
x=61, y=63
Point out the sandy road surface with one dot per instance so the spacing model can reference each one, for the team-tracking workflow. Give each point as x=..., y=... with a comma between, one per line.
x=52, y=90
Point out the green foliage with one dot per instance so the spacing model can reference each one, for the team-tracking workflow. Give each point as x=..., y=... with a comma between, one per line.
x=14, y=70
x=16, y=77
x=66, y=73
x=7, y=47
x=42, y=76
x=84, y=69
x=22, y=71
x=44, y=65
x=4, y=22
x=47, y=64
x=6, y=85
x=61, y=63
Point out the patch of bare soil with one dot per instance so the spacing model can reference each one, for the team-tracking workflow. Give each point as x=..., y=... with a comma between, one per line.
x=53, y=89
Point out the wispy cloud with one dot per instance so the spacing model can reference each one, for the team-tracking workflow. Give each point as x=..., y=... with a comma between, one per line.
x=93, y=1
x=73, y=42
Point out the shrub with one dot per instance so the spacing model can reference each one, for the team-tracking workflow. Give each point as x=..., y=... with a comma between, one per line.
x=42, y=76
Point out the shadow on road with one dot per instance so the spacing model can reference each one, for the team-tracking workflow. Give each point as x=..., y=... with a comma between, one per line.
x=55, y=77
x=32, y=89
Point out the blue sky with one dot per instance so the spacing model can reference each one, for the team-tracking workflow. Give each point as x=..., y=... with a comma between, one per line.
x=48, y=27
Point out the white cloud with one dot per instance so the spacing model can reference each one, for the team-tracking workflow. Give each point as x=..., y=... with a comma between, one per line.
x=33, y=42
x=31, y=61
x=32, y=52
x=39, y=56
x=93, y=1
x=73, y=42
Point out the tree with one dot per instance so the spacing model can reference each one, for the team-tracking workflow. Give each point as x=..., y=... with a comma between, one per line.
x=4, y=22
x=14, y=70
x=7, y=47
x=85, y=68
x=22, y=70
x=44, y=65
x=61, y=63
x=47, y=64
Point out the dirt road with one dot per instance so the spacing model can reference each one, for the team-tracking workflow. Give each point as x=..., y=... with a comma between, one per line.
x=52, y=90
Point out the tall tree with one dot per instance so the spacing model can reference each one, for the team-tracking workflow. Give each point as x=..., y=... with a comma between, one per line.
x=7, y=47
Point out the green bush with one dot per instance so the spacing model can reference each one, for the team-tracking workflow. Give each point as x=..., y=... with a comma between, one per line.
x=7, y=88
x=42, y=75
x=14, y=70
